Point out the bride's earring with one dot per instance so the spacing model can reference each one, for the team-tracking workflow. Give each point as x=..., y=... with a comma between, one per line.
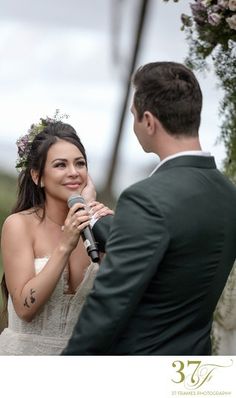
x=41, y=184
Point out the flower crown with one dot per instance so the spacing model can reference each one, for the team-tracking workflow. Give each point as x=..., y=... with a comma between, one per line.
x=24, y=143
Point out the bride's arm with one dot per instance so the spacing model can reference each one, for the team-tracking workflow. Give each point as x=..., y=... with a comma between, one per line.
x=28, y=290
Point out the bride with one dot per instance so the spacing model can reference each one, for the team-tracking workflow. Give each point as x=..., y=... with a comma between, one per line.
x=224, y=324
x=47, y=272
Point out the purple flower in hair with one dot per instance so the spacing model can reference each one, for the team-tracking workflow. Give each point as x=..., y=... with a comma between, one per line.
x=24, y=143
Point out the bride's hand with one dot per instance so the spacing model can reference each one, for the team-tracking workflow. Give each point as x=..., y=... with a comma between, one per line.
x=89, y=193
x=98, y=209
x=75, y=222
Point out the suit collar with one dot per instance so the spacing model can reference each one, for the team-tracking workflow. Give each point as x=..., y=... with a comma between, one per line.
x=204, y=162
x=183, y=153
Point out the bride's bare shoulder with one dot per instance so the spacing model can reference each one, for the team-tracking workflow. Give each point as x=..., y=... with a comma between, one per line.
x=23, y=218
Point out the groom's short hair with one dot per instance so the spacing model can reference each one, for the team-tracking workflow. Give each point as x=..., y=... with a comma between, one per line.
x=171, y=92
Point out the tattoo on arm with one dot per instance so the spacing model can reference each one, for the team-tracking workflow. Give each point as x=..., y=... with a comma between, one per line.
x=32, y=298
x=26, y=303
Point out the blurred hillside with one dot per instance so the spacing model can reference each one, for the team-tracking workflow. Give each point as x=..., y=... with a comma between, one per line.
x=7, y=199
x=7, y=194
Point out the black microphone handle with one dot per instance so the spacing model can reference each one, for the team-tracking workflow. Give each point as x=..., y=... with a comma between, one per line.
x=90, y=244
x=86, y=233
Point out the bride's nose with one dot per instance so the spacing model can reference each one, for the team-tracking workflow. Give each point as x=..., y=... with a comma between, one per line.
x=73, y=170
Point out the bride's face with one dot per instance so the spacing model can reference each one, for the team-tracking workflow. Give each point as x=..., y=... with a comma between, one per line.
x=65, y=171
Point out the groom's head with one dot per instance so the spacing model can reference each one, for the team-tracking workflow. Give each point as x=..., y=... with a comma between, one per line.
x=171, y=93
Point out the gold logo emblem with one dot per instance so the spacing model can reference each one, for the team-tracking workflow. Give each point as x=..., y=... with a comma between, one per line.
x=193, y=374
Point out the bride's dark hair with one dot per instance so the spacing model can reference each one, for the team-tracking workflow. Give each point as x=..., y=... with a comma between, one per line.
x=30, y=195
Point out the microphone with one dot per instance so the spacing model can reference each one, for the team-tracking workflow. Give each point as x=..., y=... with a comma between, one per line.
x=86, y=233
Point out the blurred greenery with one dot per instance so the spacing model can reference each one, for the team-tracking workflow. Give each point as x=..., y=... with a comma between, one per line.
x=8, y=184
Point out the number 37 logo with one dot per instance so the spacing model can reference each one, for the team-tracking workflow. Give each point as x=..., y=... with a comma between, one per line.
x=193, y=374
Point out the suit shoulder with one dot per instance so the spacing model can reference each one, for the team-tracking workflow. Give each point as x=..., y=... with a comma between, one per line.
x=136, y=187
x=144, y=186
x=143, y=193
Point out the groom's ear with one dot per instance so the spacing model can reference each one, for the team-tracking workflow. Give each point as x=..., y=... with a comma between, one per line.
x=149, y=120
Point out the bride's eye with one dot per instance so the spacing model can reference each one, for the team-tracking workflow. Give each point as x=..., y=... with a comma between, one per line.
x=60, y=164
x=81, y=163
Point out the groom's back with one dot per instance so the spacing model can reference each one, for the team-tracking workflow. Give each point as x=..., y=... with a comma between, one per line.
x=174, y=315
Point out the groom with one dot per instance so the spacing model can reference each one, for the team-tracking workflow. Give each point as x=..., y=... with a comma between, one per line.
x=172, y=241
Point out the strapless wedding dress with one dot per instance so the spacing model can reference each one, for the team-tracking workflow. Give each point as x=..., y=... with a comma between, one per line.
x=50, y=330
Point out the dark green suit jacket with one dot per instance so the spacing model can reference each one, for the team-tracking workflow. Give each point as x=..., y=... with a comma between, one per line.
x=171, y=246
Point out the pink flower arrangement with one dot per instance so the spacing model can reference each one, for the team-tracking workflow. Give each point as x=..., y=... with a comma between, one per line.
x=214, y=20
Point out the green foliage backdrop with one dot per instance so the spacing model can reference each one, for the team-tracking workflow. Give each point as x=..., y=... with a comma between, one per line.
x=211, y=35
x=7, y=198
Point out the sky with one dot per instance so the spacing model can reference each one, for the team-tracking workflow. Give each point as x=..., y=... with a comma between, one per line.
x=74, y=55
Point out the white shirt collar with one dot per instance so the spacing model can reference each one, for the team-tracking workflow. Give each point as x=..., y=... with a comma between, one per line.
x=176, y=155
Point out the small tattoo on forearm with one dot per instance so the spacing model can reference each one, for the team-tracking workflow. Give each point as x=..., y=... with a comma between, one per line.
x=26, y=303
x=32, y=299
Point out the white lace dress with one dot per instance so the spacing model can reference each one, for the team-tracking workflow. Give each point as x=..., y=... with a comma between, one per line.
x=224, y=325
x=50, y=330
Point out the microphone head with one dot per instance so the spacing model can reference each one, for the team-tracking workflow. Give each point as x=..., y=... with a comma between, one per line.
x=75, y=199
